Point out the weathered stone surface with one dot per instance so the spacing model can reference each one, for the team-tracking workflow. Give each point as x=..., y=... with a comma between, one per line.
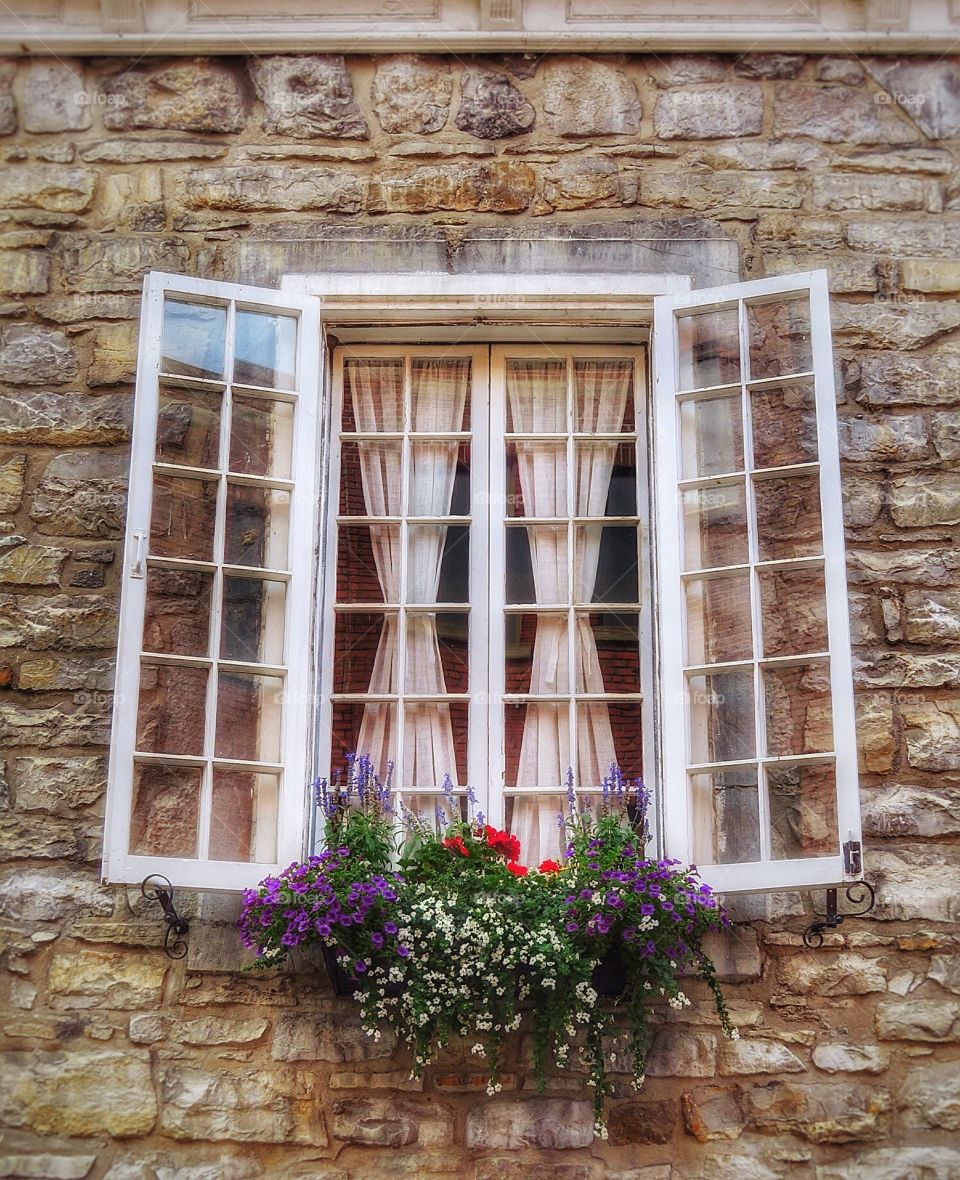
x=188, y=95
x=931, y=1096
x=895, y=380
x=60, y=725
x=54, y=97
x=893, y=439
x=709, y=112
x=824, y=974
x=51, y=895
x=863, y=500
x=32, y=355
x=928, y=89
x=683, y=69
x=945, y=970
x=837, y=114
x=918, y=1019
x=538, y=1122
x=141, y=151
x=823, y=1112
x=839, y=69
x=932, y=567
x=119, y=264
x=635, y=1121
x=760, y=155
x=582, y=183
x=703, y=190
x=770, y=65
x=114, y=357
x=890, y=326
x=62, y=621
x=24, y=564
x=901, y=669
x=63, y=786
x=678, y=1052
x=93, y=1092
x=916, y=882
x=215, y=1030
x=839, y=1058
x=927, y=498
x=307, y=96
x=713, y=1112
x=491, y=107
x=895, y=1163
x=82, y=494
x=47, y=1166
x=910, y=811
x=758, y=1055
x=73, y=309
x=920, y=236
x=304, y=1038
x=938, y=276
x=391, y=1122
x=59, y=673
x=845, y=193
x=412, y=94
x=98, y=979
x=133, y=200
x=260, y=1106
x=919, y=159
x=932, y=732
x=24, y=272
x=8, y=106
x=582, y=97
x=178, y=1165
x=393, y=1079
x=272, y=187
x=46, y=186
x=502, y=186
x=11, y=481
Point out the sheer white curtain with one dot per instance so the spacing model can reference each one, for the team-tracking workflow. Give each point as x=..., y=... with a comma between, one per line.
x=537, y=396
x=439, y=395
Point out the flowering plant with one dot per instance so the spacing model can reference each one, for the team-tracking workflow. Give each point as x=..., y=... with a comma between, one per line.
x=454, y=936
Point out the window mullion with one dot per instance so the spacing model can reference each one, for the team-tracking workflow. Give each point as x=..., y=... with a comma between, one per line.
x=571, y=572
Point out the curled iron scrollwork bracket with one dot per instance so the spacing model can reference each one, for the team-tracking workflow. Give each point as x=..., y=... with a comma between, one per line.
x=158, y=889
x=860, y=894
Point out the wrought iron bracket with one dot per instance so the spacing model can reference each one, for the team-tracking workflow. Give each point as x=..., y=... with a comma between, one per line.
x=860, y=894
x=158, y=889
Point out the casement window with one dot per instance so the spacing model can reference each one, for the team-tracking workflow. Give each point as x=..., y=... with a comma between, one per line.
x=498, y=562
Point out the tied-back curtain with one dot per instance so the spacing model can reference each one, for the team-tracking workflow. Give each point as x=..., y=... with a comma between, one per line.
x=439, y=393
x=537, y=395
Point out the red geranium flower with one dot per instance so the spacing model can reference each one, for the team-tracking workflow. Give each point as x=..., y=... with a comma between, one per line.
x=550, y=866
x=518, y=870
x=508, y=846
x=456, y=844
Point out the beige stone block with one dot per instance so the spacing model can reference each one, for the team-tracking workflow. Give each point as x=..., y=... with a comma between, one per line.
x=50, y=187
x=918, y=1019
x=940, y=276
x=821, y=1112
x=24, y=272
x=536, y=1123
x=843, y=1058
x=822, y=973
x=103, y=979
x=876, y=737
x=757, y=1056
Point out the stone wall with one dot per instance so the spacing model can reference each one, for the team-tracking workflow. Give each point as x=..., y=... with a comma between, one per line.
x=118, y=1063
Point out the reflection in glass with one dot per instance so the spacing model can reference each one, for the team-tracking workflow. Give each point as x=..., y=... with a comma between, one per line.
x=249, y=715
x=439, y=389
x=793, y=608
x=193, y=339
x=720, y=709
x=373, y=395
x=182, y=517
x=536, y=397
x=709, y=344
x=549, y=724
x=606, y=478
x=788, y=517
x=253, y=620
x=711, y=436
x=779, y=332
x=803, y=810
x=165, y=812
x=368, y=469
x=607, y=565
x=537, y=654
x=243, y=816
x=784, y=425
x=715, y=526
x=718, y=619
x=172, y=708
x=797, y=706
x=261, y=437
x=429, y=636
x=608, y=652
x=177, y=614
x=370, y=728
x=602, y=388
x=257, y=525
x=188, y=427
x=538, y=566
x=357, y=639
x=536, y=479
x=438, y=563
x=726, y=817
x=265, y=351
x=363, y=550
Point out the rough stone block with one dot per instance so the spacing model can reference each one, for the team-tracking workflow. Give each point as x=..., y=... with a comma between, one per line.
x=326, y=1038
x=391, y=1122
x=932, y=733
x=713, y=1112
x=582, y=182
x=678, y=1052
x=582, y=97
x=847, y=193
x=837, y=114
x=894, y=811
x=51, y=895
x=502, y=186
x=638, y=1121
x=841, y=1058
x=308, y=96
x=929, y=88
x=50, y=187
x=548, y=1123
x=709, y=112
x=23, y=564
x=411, y=94
x=98, y=979
x=821, y=973
x=758, y=1055
x=100, y=265
x=24, y=272
x=917, y=1019
x=64, y=621
x=31, y=355
x=822, y=1112
x=197, y=94
x=925, y=499
x=491, y=107
x=82, y=494
x=55, y=97
x=931, y=1096
x=709, y=191
x=250, y=188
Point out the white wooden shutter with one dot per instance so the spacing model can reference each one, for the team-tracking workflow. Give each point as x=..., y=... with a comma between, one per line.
x=212, y=718
x=757, y=734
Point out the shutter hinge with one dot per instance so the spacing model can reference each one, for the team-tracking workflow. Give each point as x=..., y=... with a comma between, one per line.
x=853, y=858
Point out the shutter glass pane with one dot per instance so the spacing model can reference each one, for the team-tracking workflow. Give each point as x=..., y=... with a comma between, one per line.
x=766, y=743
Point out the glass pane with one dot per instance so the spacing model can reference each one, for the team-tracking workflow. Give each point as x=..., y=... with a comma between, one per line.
x=249, y=715
x=430, y=636
x=253, y=620
x=803, y=811
x=357, y=641
x=711, y=436
x=536, y=820
x=602, y=390
x=368, y=559
x=719, y=626
x=440, y=392
x=537, y=653
x=798, y=710
x=788, y=517
x=538, y=567
x=261, y=437
x=182, y=517
x=779, y=334
x=170, y=717
x=606, y=479
x=784, y=425
x=721, y=716
x=177, y=614
x=370, y=478
x=536, y=479
x=793, y=605
x=438, y=563
x=373, y=395
x=607, y=566
x=364, y=729
x=188, y=427
x=537, y=741
x=257, y=526
x=439, y=479
x=597, y=723
x=193, y=339
x=726, y=817
x=243, y=816
x=715, y=527
x=265, y=352
x=608, y=652
x=166, y=810
x=536, y=397
x=434, y=744
x=709, y=345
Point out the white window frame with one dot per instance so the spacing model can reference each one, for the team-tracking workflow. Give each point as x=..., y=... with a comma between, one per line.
x=489, y=307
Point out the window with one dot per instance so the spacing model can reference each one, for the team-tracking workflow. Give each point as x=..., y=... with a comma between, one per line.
x=510, y=560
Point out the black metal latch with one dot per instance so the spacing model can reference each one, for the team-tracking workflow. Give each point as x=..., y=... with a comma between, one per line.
x=860, y=894
x=159, y=889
